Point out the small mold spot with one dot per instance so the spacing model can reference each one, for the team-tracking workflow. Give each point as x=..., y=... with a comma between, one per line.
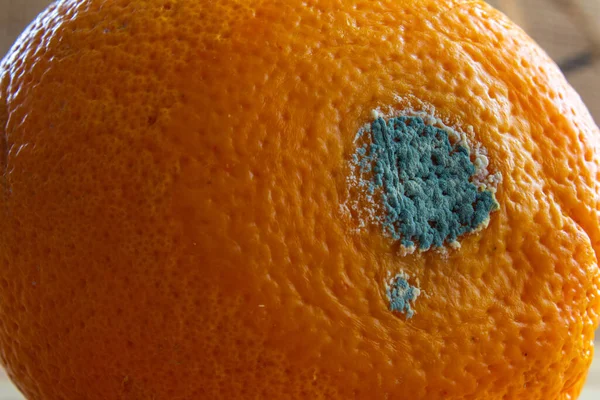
x=402, y=295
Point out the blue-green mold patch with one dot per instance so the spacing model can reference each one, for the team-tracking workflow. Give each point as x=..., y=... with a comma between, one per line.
x=401, y=295
x=422, y=181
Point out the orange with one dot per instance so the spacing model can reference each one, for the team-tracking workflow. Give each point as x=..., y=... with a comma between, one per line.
x=173, y=191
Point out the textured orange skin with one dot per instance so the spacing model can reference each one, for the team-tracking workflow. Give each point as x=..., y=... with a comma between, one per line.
x=172, y=174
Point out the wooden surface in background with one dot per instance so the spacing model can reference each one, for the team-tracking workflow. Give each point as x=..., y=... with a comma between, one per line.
x=556, y=33
x=563, y=36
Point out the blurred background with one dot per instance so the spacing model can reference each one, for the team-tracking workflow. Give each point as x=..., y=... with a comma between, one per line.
x=569, y=30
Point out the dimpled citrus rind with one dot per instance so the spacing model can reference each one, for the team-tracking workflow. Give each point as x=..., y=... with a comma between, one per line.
x=172, y=179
